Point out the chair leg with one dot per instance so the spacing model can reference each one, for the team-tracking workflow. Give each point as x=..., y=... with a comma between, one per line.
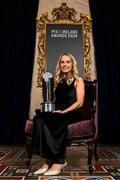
x=2, y=154
x=28, y=150
x=95, y=151
x=90, y=156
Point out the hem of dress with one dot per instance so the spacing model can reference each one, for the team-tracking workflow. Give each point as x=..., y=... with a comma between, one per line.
x=59, y=161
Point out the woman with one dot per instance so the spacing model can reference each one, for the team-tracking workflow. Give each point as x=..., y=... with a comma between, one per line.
x=69, y=98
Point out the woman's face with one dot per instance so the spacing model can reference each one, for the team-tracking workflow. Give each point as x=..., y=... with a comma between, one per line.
x=66, y=64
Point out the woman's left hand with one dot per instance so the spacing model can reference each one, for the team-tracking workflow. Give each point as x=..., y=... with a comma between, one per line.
x=59, y=111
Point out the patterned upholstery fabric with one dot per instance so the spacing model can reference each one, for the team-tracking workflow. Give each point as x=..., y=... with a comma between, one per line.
x=29, y=127
x=84, y=128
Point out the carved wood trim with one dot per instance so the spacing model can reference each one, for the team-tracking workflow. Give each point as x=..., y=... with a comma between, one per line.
x=63, y=15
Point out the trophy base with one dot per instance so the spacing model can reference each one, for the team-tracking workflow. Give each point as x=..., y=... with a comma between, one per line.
x=47, y=107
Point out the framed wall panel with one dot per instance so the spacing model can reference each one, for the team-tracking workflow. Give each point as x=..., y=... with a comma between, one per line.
x=63, y=33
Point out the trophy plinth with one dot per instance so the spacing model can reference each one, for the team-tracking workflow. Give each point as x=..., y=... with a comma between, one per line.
x=48, y=104
x=47, y=107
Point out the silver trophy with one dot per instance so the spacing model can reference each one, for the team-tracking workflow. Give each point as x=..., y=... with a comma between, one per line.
x=48, y=94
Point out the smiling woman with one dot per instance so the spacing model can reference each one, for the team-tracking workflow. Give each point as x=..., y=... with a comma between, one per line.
x=69, y=98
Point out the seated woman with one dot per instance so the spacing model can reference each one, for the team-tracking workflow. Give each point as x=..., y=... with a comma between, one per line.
x=50, y=132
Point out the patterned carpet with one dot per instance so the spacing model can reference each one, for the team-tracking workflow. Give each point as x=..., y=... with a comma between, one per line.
x=12, y=164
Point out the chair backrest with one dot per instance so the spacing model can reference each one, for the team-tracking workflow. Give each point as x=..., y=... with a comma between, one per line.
x=89, y=106
x=90, y=96
x=87, y=128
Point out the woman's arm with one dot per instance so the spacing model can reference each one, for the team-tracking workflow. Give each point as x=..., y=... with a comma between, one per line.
x=80, y=92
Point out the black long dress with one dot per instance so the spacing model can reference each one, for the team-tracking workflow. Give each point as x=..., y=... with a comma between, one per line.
x=50, y=129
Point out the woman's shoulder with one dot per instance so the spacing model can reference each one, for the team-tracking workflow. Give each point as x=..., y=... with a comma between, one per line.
x=79, y=79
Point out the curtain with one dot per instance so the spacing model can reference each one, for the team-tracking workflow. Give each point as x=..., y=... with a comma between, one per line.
x=106, y=35
x=17, y=45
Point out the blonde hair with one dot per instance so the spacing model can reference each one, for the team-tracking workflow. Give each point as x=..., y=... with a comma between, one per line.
x=59, y=75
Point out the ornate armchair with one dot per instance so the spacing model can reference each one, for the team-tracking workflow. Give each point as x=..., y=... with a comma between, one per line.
x=80, y=133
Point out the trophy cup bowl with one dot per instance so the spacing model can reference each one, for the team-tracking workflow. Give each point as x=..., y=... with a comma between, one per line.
x=48, y=104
